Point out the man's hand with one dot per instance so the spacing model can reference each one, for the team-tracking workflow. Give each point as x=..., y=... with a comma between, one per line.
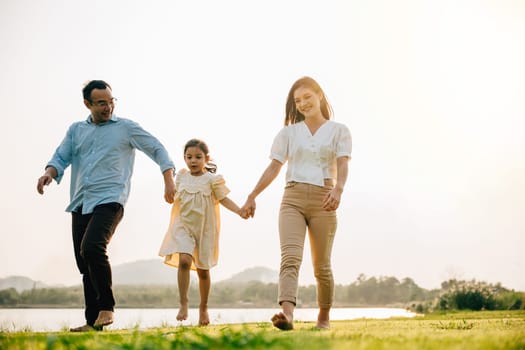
x=169, y=186
x=46, y=179
x=169, y=192
x=43, y=180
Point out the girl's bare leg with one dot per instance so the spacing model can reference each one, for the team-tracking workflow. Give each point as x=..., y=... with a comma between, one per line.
x=284, y=319
x=323, y=318
x=204, y=289
x=183, y=279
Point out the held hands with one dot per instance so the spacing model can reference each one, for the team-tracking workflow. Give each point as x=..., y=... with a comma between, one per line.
x=241, y=213
x=248, y=209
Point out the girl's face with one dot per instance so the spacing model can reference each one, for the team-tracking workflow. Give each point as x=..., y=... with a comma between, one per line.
x=195, y=160
x=307, y=102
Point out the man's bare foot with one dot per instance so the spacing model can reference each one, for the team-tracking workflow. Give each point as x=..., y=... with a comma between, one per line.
x=183, y=313
x=204, y=318
x=282, y=321
x=85, y=328
x=105, y=318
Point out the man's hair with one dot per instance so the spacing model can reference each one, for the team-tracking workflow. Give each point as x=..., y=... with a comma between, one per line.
x=94, y=84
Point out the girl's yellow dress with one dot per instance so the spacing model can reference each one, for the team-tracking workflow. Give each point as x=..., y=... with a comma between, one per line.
x=195, y=220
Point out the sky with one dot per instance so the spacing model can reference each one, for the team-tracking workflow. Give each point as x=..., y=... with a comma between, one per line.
x=433, y=93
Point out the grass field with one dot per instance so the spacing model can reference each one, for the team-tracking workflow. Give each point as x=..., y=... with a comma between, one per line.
x=461, y=330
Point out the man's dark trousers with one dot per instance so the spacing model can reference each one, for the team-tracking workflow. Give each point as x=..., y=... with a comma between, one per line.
x=91, y=236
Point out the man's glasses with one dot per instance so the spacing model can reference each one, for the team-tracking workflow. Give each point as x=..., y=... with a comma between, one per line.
x=103, y=103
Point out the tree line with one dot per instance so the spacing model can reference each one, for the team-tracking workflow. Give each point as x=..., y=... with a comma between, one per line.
x=364, y=292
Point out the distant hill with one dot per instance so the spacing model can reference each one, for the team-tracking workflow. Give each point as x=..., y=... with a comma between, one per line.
x=156, y=272
x=20, y=283
x=258, y=273
x=152, y=271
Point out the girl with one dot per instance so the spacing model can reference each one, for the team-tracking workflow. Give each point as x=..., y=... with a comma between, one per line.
x=192, y=238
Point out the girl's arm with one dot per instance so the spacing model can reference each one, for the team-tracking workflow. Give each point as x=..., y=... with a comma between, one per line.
x=230, y=205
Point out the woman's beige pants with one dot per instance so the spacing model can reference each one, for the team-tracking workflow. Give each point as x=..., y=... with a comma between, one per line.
x=301, y=209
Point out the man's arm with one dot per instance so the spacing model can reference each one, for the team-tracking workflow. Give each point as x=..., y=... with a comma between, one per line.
x=154, y=149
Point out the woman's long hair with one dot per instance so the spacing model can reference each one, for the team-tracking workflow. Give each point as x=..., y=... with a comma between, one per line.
x=293, y=116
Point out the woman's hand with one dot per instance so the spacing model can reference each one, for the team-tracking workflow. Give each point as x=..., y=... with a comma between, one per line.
x=332, y=199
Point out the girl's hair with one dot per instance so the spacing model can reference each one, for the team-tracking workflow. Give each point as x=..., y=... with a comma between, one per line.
x=210, y=166
x=293, y=116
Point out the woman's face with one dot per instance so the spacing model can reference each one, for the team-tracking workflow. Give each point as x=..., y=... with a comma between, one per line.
x=307, y=102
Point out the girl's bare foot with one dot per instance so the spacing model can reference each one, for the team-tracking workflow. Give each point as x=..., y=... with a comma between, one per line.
x=282, y=321
x=183, y=313
x=204, y=318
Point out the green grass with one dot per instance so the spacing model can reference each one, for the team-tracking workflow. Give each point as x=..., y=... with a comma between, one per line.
x=459, y=330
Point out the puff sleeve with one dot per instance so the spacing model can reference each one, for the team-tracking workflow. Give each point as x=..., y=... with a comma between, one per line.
x=218, y=187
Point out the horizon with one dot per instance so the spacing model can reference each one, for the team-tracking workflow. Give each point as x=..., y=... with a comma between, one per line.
x=400, y=279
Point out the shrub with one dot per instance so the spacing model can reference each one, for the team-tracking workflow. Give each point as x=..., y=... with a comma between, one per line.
x=473, y=295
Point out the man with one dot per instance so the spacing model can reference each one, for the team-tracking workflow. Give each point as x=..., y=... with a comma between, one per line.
x=101, y=152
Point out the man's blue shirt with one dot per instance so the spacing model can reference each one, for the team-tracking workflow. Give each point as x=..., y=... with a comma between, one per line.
x=101, y=158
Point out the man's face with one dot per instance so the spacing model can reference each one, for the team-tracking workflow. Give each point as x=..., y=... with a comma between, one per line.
x=101, y=105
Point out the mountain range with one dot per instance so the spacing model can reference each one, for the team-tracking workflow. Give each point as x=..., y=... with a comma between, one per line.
x=20, y=283
x=143, y=272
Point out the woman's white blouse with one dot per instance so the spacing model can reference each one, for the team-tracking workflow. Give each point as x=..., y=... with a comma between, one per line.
x=312, y=158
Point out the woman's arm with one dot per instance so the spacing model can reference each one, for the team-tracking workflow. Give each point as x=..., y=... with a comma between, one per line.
x=342, y=172
x=269, y=174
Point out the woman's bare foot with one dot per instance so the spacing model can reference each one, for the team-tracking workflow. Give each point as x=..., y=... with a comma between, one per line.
x=204, y=318
x=323, y=324
x=282, y=321
x=183, y=313
x=323, y=318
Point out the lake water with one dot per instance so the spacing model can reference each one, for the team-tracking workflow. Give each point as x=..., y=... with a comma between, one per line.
x=43, y=320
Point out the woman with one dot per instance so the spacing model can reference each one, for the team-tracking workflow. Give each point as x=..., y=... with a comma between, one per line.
x=318, y=151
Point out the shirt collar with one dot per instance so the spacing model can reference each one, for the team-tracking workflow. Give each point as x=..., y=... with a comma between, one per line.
x=113, y=119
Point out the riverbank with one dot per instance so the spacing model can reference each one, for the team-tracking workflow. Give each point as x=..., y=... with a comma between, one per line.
x=49, y=320
x=460, y=330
